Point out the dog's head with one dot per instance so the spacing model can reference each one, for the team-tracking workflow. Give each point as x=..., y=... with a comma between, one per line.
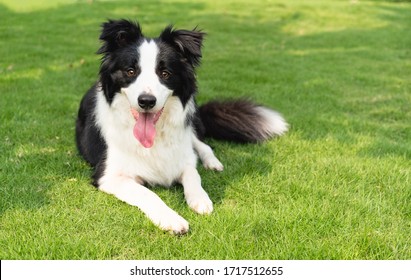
x=148, y=70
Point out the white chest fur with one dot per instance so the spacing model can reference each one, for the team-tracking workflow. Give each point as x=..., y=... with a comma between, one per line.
x=165, y=161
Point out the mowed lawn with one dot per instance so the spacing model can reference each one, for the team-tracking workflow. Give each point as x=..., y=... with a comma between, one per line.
x=336, y=186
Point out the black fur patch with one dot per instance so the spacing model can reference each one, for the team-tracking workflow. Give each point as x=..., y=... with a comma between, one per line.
x=90, y=143
x=235, y=120
x=119, y=49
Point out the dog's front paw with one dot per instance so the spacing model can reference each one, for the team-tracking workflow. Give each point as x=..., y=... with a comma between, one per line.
x=201, y=204
x=171, y=222
x=211, y=162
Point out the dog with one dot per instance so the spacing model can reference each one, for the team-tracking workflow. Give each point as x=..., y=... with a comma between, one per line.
x=139, y=125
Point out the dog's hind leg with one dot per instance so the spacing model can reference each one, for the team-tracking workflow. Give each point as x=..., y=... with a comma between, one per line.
x=207, y=157
x=194, y=193
x=129, y=191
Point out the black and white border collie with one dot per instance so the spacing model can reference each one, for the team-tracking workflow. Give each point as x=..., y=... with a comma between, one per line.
x=140, y=125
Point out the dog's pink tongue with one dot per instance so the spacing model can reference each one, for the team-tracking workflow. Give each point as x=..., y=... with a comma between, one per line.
x=144, y=129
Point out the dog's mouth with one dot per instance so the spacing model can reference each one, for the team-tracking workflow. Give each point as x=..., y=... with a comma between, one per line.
x=144, y=129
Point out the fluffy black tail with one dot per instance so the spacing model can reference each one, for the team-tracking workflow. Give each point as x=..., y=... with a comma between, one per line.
x=241, y=121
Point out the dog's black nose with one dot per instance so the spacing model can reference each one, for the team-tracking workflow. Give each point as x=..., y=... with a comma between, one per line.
x=147, y=101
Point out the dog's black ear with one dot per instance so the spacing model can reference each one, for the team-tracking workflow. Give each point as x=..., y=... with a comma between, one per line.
x=187, y=42
x=118, y=33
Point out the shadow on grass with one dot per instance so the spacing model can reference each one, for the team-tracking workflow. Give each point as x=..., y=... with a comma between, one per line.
x=28, y=175
x=242, y=163
x=46, y=71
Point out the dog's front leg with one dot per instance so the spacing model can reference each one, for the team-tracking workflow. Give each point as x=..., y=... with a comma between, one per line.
x=129, y=191
x=194, y=193
x=206, y=154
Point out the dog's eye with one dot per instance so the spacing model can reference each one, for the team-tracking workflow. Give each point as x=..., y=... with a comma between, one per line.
x=165, y=75
x=131, y=72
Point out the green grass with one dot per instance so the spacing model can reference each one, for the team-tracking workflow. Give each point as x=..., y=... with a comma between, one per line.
x=337, y=186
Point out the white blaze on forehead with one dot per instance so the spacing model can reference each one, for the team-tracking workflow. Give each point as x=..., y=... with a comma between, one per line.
x=147, y=81
x=148, y=57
